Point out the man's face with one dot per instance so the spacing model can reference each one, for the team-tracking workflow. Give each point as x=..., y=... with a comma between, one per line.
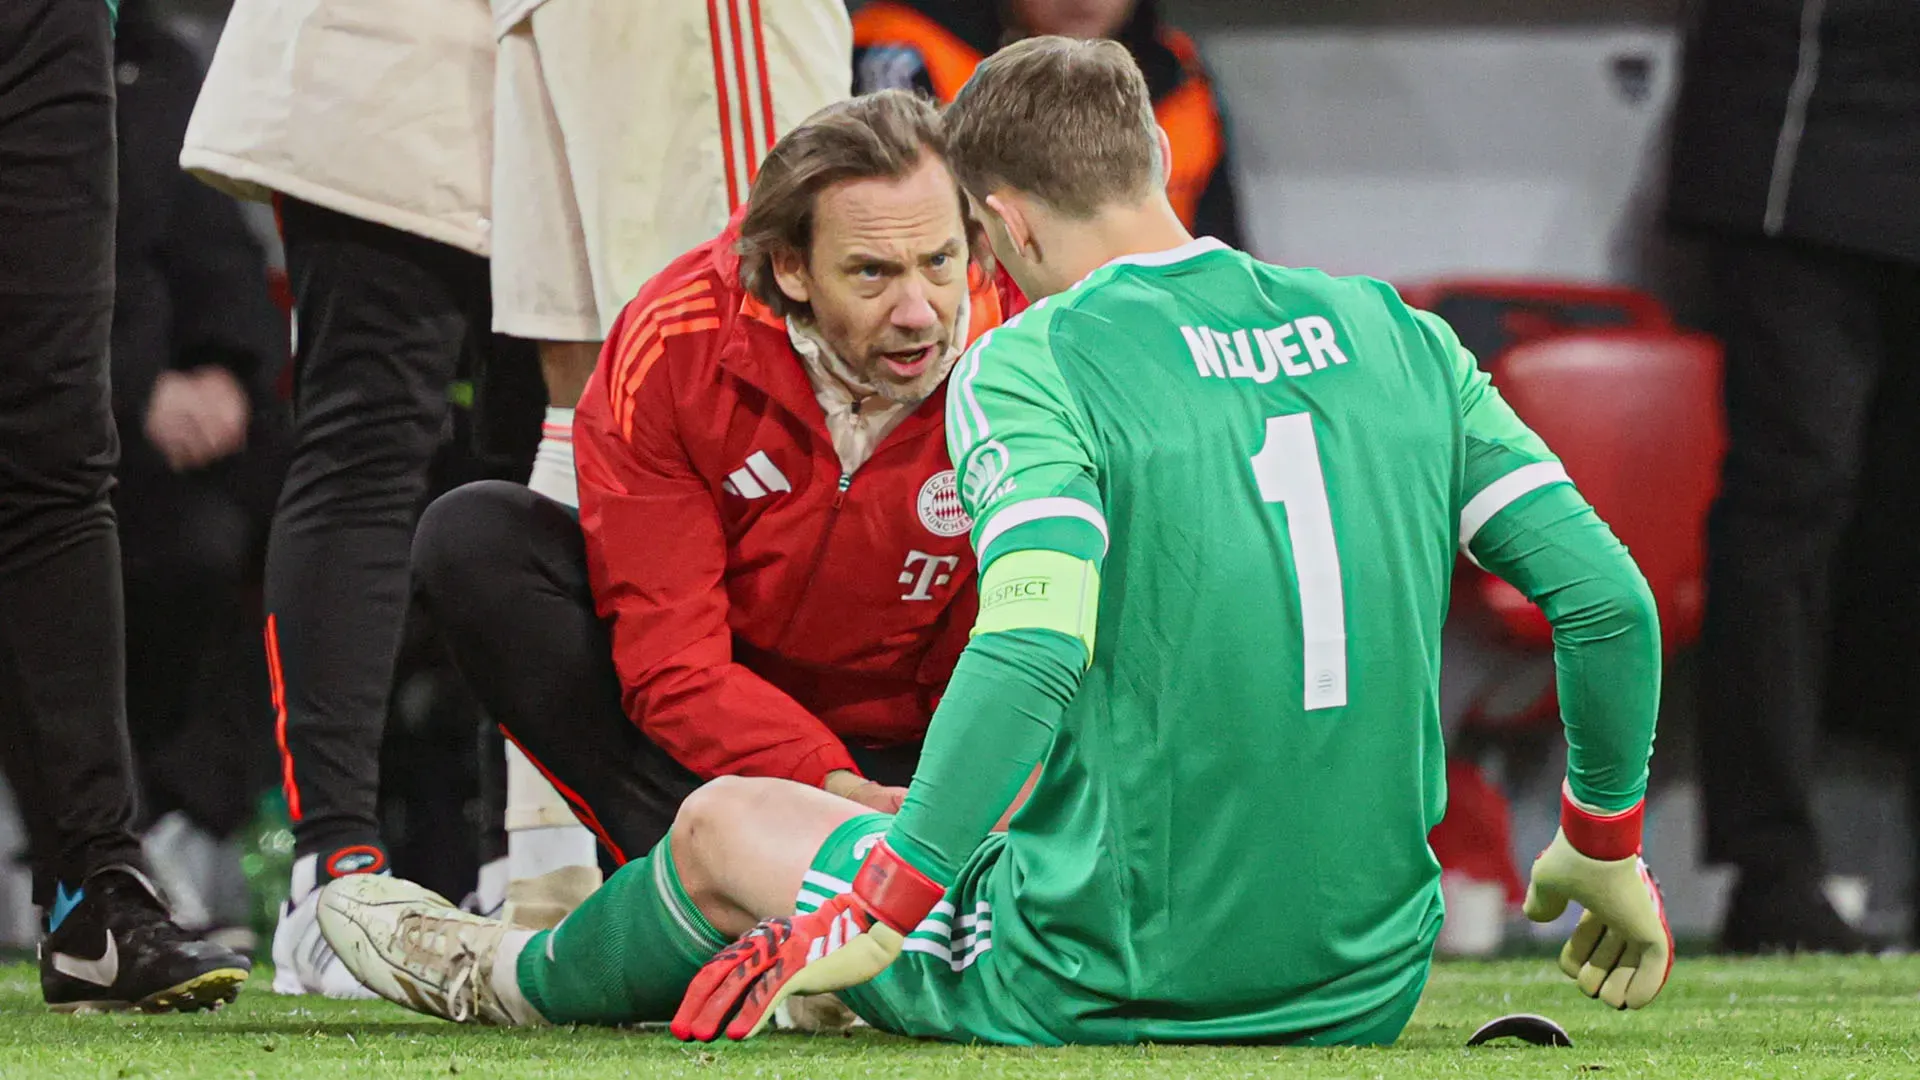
x=887, y=276
x=1073, y=18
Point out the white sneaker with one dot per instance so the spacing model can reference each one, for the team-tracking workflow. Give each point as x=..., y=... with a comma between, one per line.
x=415, y=948
x=303, y=962
x=489, y=895
x=182, y=856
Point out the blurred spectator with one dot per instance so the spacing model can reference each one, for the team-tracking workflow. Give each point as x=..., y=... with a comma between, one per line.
x=197, y=351
x=1797, y=157
x=934, y=45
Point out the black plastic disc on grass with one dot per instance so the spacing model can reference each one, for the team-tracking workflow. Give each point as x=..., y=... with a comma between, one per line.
x=1527, y=1027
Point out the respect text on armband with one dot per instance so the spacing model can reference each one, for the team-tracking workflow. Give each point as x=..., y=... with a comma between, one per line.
x=1014, y=592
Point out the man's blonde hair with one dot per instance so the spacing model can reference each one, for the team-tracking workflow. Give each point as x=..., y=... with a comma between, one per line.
x=1069, y=122
x=886, y=135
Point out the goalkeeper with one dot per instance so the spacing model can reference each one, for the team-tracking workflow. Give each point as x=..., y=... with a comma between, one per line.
x=1216, y=506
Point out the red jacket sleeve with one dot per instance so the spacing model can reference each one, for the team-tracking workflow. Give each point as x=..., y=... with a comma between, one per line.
x=657, y=557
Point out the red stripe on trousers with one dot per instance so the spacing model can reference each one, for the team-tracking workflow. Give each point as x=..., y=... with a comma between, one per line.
x=746, y=92
x=766, y=84
x=279, y=684
x=726, y=112
x=580, y=808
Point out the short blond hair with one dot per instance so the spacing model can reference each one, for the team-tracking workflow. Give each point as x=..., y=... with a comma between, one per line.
x=1069, y=122
x=885, y=135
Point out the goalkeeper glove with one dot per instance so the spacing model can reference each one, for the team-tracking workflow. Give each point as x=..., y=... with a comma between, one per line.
x=1621, y=951
x=850, y=939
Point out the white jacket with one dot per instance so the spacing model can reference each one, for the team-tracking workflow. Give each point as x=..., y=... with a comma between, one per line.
x=379, y=109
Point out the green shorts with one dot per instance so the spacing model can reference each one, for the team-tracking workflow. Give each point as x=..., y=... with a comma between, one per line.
x=949, y=983
x=933, y=990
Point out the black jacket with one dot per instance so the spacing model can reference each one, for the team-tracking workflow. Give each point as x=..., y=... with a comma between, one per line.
x=1801, y=119
x=192, y=285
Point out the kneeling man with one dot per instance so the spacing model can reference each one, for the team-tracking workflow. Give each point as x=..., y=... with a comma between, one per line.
x=769, y=575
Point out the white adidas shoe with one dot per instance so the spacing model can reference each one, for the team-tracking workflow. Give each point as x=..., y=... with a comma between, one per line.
x=415, y=948
x=303, y=962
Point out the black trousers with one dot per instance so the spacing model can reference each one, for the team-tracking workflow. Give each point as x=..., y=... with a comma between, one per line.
x=1823, y=398
x=503, y=572
x=384, y=321
x=63, y=732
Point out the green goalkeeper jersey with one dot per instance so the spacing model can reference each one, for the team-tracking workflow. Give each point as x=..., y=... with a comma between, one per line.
x=1272, y=469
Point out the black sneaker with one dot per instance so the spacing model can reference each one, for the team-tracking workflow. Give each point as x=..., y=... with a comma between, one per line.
x=112, y=946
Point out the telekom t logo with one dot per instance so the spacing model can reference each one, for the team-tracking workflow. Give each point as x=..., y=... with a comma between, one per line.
x=925, y=571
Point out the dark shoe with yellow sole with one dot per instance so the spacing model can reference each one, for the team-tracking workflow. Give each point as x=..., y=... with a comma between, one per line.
x=112, y=947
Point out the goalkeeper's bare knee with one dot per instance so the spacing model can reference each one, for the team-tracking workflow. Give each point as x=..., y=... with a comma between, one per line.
x=700, y=843
x=743, y=844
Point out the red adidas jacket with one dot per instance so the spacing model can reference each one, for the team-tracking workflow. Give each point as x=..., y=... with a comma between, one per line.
x=765, y=609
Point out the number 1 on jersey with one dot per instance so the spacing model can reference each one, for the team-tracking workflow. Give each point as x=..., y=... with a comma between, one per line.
x=1287, y=468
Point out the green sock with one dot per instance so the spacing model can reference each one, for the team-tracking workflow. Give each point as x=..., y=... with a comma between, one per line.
x=624, y=956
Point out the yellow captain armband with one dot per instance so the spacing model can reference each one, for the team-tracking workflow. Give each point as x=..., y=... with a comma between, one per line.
x=1037, y=589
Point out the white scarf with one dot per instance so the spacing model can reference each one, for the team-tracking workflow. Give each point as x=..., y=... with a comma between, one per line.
x=858, y=416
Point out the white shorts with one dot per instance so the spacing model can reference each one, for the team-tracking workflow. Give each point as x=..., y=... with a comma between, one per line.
x=627, y=132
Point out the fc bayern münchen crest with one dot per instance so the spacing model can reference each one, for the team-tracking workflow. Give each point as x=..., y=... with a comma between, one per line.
x=939, y=505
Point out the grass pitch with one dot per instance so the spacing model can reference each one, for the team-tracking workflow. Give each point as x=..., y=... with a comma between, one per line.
x=1718, y=1018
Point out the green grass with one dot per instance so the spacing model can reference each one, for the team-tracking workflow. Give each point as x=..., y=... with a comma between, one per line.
x=1718, y=1018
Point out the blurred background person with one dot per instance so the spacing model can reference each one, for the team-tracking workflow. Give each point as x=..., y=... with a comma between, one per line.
x=369, y=124
x=198, y=349
x=626, y=132
x=1797, y=158
x=63, y=734
x=934, y=45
